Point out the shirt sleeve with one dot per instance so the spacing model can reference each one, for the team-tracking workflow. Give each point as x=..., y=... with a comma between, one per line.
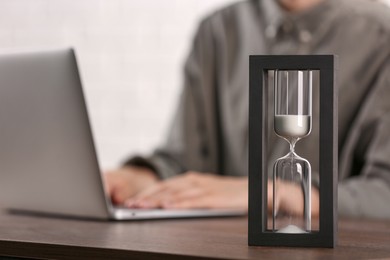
x=366, y=191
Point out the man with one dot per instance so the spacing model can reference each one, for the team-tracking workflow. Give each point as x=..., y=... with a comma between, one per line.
x=204, y=161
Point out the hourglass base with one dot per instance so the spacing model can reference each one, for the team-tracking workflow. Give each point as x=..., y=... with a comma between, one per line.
x=291, y=229
x=293, y=172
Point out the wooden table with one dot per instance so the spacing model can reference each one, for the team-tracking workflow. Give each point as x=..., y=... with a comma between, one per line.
x=61, y=238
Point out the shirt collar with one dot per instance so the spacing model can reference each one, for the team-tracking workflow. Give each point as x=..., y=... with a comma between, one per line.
x=273, y=16
x=309, y=20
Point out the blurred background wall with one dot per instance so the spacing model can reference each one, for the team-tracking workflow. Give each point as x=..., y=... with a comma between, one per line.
x=130, y=55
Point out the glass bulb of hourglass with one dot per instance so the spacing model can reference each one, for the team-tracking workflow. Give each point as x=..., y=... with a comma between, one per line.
x=292, y=122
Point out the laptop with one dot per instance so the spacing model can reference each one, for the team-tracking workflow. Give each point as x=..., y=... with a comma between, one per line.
x=48, y=162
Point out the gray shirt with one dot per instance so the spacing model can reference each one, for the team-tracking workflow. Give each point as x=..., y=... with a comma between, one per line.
x=209, y=132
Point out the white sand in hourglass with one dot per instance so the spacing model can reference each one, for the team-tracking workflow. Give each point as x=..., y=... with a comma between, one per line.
x=296, y=126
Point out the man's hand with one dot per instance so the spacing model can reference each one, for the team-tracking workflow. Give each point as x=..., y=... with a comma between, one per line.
x=200, y=190
x=290, y=199
x=194, y=190
x=125, y=182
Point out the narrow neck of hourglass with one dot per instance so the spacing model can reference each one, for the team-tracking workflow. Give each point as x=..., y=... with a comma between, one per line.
x=292, y=142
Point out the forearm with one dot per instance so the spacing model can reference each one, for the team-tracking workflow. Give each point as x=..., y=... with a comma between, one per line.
x=364, y=197
x=160, y=162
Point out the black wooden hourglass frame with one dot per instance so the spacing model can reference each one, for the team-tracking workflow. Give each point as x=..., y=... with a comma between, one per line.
x=258, y=233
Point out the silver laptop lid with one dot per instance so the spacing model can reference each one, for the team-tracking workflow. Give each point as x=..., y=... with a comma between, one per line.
x=47, y=156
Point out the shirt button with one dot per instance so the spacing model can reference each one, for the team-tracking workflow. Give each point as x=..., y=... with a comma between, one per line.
x=287, y=26
x=305, y=36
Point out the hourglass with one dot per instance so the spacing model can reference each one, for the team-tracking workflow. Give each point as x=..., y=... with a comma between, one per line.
x=292, y=122
x=292, y=103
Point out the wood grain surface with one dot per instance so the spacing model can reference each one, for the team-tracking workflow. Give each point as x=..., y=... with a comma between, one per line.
x=40, y=236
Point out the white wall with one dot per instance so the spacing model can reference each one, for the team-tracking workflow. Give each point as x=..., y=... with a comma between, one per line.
x=130, y=55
